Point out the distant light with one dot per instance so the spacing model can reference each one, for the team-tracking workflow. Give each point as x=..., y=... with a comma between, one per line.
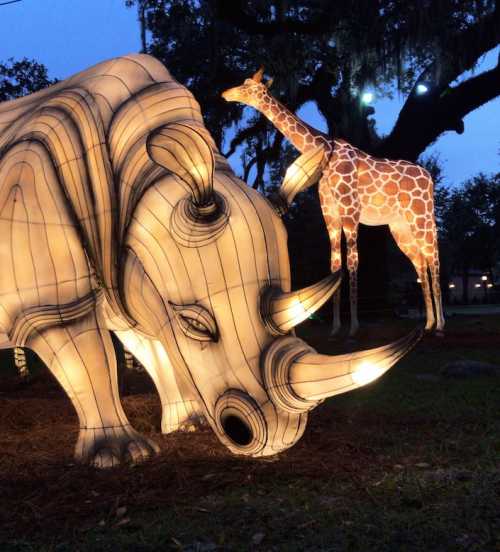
x=367, y=97
x=451, y=286
x=478, y=285
x=484, y=278
x=422, y=89
x=489, y=285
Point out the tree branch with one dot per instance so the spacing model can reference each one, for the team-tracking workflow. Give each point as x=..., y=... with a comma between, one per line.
x=480, y=38
x=244, y=134
x=423, y=119
x=248, y=167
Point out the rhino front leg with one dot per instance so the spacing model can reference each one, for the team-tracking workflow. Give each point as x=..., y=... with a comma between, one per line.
x=180, y=410
x=80, y=354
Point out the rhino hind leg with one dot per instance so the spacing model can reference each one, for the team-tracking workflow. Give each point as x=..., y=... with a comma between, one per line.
x=80, y=355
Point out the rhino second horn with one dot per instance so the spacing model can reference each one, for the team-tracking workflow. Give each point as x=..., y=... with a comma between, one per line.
x=283, y=311
x=298, y=378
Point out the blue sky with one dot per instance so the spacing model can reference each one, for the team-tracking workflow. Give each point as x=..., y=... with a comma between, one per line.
x=68, y=36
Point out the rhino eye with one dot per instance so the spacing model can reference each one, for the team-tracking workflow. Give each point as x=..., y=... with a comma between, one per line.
x=196, y=322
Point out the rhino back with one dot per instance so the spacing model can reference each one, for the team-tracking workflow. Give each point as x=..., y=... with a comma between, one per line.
x=112, y=82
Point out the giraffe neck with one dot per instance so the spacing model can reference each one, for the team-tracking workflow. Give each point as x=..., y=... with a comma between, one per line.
x=301, y=135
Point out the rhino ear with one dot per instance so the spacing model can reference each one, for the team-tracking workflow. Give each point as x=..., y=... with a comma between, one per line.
x=183, y=151
x=302, y=173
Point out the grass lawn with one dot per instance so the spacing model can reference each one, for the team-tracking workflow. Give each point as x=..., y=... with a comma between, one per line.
x=409, y=463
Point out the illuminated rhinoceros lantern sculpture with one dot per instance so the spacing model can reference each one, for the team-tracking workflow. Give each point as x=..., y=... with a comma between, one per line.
x=118, y=214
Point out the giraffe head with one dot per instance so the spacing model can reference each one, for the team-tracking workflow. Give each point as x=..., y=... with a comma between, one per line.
x=252, y=92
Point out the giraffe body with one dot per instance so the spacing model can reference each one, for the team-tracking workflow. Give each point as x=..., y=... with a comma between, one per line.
x=357, y=188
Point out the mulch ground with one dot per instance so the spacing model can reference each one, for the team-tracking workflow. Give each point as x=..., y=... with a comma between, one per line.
x=43, y=492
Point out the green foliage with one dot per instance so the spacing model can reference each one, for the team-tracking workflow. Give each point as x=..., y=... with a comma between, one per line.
x=19, y=78
x=469, y=222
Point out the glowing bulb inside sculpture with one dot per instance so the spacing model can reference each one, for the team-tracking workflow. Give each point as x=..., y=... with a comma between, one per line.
x=366, y=373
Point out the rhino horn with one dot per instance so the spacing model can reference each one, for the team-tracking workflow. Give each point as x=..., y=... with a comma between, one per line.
x=298, y=378
x=283, y=311
x=183, y=151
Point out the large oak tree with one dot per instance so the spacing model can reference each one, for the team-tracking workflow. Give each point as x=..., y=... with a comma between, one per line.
x=328, y=52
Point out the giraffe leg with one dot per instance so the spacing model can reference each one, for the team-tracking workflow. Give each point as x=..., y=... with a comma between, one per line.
x=336, y=323
x=423, y=274
x=438, y=301
x=433, y=263
x=402, y=233
x=351, y=235
x=80, y=355
x=334, y=228
x=335, y=265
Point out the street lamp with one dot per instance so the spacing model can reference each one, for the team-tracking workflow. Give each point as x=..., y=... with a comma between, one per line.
x=484, y=278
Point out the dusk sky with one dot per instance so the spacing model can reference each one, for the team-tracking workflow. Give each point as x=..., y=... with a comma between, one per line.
x=70, y=36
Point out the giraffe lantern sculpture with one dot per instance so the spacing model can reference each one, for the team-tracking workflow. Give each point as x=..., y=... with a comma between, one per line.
x=355, y=188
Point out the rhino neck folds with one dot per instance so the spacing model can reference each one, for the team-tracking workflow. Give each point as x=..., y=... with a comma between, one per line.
x=193, y=226
x=41, y=317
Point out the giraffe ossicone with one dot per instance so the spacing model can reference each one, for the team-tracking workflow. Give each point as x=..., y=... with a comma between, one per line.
x=355, y=188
